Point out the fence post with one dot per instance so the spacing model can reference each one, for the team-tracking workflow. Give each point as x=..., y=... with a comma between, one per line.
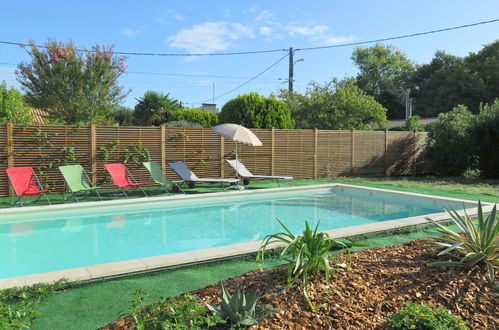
x=272, y=148
x=162, y=134
x=9, y=129
x=386, y=152
x=222, y=153
x=93, y=153
x=316, y=142
x=352, y=158
x=414, y=153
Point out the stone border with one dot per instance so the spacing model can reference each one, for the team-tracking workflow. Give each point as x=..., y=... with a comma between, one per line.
x=148, y=264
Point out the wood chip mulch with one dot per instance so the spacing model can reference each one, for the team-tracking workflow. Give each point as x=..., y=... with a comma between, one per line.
x=379, y=282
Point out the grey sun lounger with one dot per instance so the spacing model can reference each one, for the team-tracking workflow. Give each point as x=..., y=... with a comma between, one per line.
x=191, y=179
x=246, y=175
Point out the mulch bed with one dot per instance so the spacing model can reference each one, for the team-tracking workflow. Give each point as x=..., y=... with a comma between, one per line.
x=379, y=282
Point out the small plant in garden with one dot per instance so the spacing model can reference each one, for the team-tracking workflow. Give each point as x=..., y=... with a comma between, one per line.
x=479, y=241
x=184, y=312
x=416, y=316
x=239, y=308
x=137, y=154
x=17, y=305
x=307, y=254
x=105, y=151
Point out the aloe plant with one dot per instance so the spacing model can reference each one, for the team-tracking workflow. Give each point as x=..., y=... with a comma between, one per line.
x=239, y=308
x=306, y=254
x=478, y=242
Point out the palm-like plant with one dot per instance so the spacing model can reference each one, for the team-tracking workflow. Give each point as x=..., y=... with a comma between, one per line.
x=478, y=243
x=239, y=308
x=306, y=254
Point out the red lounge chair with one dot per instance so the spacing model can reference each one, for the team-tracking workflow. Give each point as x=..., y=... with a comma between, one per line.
x=122, y=178
x=25, y=184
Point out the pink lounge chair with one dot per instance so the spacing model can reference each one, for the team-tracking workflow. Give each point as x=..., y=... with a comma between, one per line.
x=25, y=184
x=123, y=178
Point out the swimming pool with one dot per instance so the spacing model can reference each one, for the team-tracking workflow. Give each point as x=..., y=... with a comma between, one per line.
x=47, y=239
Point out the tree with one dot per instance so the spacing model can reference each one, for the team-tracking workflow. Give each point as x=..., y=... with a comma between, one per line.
x=485, y=65
x=484, y=137
x=205, y=119
x=443, y=84
x=336, y=105
x=154, y=109
x=123, y=116
x=384, y=72
x=449, y=148
x=73, y=86
x=255, y=111
x=12, y=106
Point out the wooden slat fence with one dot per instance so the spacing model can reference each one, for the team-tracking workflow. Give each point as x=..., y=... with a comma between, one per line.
x=300, y=153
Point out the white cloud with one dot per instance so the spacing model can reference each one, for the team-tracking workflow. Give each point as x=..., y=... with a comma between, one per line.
x=209, y=37
x=176, y=15
x=131, y=32
x=265, y=16
x=318, y=34
x=266, y=31
x=330, y=40
x=294, y=30
x=161, y=21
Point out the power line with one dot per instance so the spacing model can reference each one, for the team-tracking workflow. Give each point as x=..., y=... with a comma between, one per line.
x=157, y=54
x=196, y=75
x=247, y=82
x=400, y=37
x=273, y=50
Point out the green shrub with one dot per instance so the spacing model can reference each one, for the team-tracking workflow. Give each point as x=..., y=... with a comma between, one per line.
x=485, y=140
x=422, y=317
x=184, y=312
x=205, y=119
x=449, y=148
x=477, y=243
x=17, y=305
x=239, y=308
x=255, y=111
x=182, y=123
x=306, y=254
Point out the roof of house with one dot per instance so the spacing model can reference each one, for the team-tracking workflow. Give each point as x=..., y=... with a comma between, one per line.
x=39, y=115
x=400, y=122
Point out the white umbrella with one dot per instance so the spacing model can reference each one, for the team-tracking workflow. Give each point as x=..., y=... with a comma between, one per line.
x=238, y=134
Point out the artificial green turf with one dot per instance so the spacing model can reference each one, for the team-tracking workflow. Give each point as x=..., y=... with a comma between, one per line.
x=96, y=304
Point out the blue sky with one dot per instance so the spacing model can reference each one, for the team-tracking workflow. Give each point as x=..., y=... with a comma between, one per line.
x=240, y=26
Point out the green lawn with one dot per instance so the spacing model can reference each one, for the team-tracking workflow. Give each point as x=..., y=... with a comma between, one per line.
x=88, y=306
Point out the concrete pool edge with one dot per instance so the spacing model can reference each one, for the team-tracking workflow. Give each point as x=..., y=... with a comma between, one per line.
x=147, y=264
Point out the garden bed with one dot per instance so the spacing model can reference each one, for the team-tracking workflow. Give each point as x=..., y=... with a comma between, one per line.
x=378, y=284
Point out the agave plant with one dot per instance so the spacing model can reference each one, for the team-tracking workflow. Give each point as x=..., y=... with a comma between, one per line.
x=239, y=308
x=306, y=254
x=478, y=242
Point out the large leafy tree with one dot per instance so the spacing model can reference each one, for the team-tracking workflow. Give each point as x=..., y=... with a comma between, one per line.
x=335, y=105
x=12, y=106
x=384, y=72
x=155, y=109
x=443, y=84
x=73, y=86
x=485, y=64
x=256, y=111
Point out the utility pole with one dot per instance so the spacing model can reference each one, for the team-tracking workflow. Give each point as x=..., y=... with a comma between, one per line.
x=408, y=104
x=213, y=93
x=291, y=65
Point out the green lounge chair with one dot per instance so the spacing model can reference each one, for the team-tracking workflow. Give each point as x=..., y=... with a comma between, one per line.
x=159, y=177
x=77, y=182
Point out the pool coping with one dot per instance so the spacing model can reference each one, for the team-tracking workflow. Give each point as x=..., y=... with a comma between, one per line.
x=156, y=263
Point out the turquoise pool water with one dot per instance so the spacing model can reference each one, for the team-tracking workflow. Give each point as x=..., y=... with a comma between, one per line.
x=87, y=237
